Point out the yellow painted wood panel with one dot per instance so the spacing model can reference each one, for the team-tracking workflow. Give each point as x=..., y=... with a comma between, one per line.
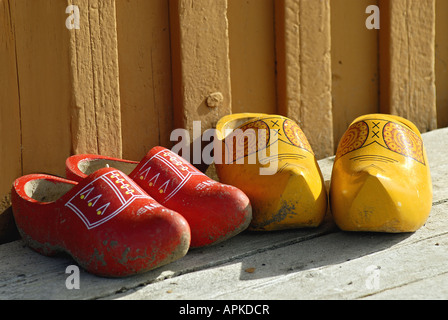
x=10, y=142
x=200, y=53
x=441, y=63
x=355, y=64
x=304, y=69
x=144, y=56
x=43, y=68
x=95, y=112
x=407, y=38
x=252, y=55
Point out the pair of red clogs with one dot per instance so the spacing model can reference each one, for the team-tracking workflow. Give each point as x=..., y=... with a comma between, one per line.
x=117, y=218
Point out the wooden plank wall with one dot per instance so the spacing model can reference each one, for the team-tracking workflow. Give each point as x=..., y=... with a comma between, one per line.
x=441, y=63
x=144, y=56
x=136, y=70
x=252, y=55
x=355, y=63
x=304, y=69
x=407, y=61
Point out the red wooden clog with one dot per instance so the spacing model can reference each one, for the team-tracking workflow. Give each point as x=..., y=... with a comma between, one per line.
x=214, y=211
x=105, y=222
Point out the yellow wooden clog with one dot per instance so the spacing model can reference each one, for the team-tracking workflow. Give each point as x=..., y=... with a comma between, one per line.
x=269, y=158
x=381, y=180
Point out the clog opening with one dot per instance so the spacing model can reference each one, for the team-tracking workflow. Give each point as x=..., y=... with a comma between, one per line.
x=90, y=166
x=46, y=191
x=234, y=124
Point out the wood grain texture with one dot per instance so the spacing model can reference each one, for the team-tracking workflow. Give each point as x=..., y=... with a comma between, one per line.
x=144, y=56
x=10, y=130
x=201, y=67
x=304, y=69
x=355, y=64
x=407, y=61
x=95, y=112
x=252, y=55
x=441, y=63
x=43, y=68
x=333, y=266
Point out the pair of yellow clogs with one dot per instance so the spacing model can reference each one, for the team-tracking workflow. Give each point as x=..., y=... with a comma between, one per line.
x=380, y=180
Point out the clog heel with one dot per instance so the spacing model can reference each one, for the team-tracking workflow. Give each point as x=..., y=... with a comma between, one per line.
x=214, y=211
x=381, y=180
x=107, y=224
x=269, y=158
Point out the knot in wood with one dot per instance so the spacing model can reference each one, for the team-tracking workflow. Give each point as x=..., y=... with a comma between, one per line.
x=215, y=100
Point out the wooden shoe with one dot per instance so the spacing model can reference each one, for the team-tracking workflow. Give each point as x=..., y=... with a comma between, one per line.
x=269, y=158
x=214, y=211
x=106, y=222
x=381, y=180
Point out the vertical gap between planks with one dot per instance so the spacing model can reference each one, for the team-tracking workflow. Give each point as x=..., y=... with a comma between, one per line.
x=304, y=69
x=407, y=41
x=441, y=62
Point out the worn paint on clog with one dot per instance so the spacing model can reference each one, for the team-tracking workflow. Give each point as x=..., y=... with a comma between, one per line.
x=108, y=224
x=270, y=159
x=215, y=211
